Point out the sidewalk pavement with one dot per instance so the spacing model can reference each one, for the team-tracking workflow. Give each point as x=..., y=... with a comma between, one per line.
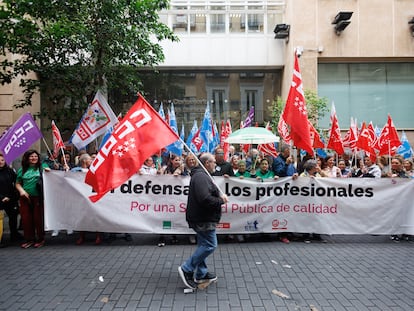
x=347, y=273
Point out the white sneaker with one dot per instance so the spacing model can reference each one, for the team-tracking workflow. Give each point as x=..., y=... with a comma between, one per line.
x=69, y=232
x=55, y=233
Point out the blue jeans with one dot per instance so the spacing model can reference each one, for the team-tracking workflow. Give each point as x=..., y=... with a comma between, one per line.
x=206, y=244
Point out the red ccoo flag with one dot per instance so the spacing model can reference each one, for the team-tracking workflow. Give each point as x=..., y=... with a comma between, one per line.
x=295, y=113
x=130, y=144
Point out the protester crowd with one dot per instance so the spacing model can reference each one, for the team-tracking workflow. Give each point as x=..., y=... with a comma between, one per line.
x=21, y=191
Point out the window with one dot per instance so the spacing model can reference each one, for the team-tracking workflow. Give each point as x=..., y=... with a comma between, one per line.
x=198, y=23
x=255, y=22
x=218, y=102
x=237, y=22
x=217, y=23
x=180, y=23
x=368, y=92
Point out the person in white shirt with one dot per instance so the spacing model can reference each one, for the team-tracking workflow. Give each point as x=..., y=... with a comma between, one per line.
x=148, y=168
x=370, y=169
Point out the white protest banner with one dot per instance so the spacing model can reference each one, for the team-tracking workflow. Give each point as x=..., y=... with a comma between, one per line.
x=157, y=204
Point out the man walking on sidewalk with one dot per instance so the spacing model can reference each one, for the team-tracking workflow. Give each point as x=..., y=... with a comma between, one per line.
x=203, y=213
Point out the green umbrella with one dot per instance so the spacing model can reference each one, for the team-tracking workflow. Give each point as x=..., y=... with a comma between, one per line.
x=252, y=135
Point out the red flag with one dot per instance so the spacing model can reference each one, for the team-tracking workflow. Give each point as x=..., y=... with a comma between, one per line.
x=283, y=130
x=388, y=141
x=351, y=136
x=57, y=140
x=196, y=140
x=315, y=137
x=222, y=133
x=268, y=149
x=364, y=140
x=225, y=132
x=372, y=135
x=295, y=113
x=130, y=144
x=335, y=139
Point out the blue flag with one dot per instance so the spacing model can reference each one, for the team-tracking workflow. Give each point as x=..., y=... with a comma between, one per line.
x=405, y=149
x=176, y=147
x=190, y=137
x=206, y=132
x=216, y=138
x=161, y=112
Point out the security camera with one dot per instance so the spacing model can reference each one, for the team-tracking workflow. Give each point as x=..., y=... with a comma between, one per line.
x=299, y=51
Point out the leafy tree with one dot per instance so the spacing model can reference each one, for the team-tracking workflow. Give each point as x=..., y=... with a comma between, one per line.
x=315, y=105
x=78, y=46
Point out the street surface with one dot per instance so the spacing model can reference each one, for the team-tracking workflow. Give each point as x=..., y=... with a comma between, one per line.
x=346, y=273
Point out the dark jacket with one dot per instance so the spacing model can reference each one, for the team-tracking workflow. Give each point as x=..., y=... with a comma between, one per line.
x=279, y=166
x=8, y=187
x=204, y=201
x=223, y=169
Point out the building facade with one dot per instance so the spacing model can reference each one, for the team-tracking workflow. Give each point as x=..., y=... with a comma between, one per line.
x=364, y=63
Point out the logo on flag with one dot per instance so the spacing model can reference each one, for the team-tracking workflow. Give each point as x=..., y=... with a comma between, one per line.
x=97, y=119
x=19, y=137
x=295, y=114
x=130, y=144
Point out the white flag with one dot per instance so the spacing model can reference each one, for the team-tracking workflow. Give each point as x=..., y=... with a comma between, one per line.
x=97, y=119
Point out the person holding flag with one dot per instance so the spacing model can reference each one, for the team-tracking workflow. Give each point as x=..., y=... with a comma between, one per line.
x=28, y=184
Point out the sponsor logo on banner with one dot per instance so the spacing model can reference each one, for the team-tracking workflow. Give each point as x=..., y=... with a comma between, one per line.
x=279, y=224
x=223, y=225
x=252, y=226
x=166, y=224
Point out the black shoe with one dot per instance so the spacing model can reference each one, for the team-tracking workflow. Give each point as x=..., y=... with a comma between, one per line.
x=161, y=242
x=395, y=238
x=209, y=277
x=16, y=237
x=174, y=240
x=2, y=245
x=187, y=278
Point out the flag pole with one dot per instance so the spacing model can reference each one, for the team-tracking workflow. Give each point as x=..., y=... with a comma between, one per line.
x=64, y=159
x=201, y=164
x=48, y=149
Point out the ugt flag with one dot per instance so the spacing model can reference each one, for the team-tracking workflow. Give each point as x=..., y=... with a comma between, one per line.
x=97, y=119
x=19, y=137
x=130, y=144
